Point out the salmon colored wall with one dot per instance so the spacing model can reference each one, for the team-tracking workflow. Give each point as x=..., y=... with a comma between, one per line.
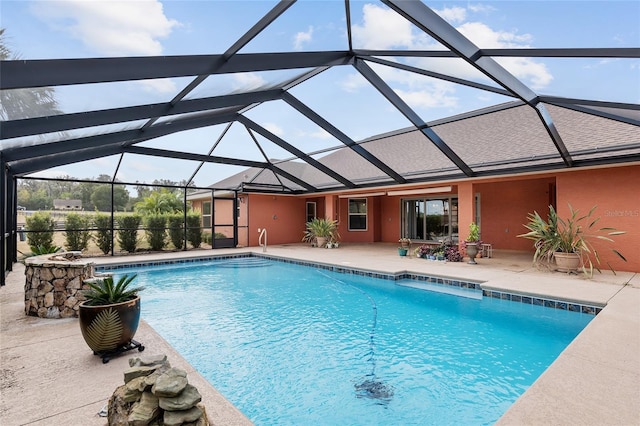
x=282, y=216
x=466, y=209
x=196, y=205
x=243, y=220
x=223, y=213
x=390, y=218
x=616, y=192
x=504, y=207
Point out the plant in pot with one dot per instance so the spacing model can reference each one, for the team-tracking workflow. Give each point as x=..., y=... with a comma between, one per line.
x=423, y=251
x=569, y=242
x=319, y=231
x=405, y=245
x=472, y=243
x=110, y=315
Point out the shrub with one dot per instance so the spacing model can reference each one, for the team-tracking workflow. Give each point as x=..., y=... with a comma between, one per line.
x=41, y=226
x=156, y=232
x=128, y=232
x=176, y=230
x=206, y=238
x=194, y=233
x=104, y=235
x=77, y=235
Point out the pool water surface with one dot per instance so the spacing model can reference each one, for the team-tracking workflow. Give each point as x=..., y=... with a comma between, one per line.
x=290, y=344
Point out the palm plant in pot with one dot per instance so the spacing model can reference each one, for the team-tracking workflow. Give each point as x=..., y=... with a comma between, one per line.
x=569, y=242
x=319, y=231
x=110, y=315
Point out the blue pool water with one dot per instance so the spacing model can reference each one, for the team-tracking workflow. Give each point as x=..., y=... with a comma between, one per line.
x=291, y=345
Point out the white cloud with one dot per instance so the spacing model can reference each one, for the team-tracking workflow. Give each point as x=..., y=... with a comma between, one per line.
x=116, y=28
x=483, y=36
x=247, y=81
x=274, y=128
x=382, y=29
x=318, y=134
x=453, y=14
x=536, y=73
x=161, y=85
x=353, y=82
x=302, y=37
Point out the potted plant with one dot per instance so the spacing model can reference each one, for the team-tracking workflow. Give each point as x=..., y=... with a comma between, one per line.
x=568, y=242
x=423, y=251
x=110, y=314
x=405, y=245
x=319, y=231
x=472, y=243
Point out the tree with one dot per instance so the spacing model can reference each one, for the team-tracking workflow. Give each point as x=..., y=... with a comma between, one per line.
x=101, y=197
x=159, y=202
x=24, y=103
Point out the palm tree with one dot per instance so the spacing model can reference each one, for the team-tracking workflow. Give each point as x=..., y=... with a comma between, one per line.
x=24, y=103
x=159, y=202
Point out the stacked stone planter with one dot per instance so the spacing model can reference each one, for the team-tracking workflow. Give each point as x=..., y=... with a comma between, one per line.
x=155, y=393
x=52, y=284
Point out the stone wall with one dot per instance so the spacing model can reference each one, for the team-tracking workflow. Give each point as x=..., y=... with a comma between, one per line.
x=52, y=284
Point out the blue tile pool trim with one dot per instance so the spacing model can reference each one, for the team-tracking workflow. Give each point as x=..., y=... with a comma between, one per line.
x=519, y=298
x=541, y=301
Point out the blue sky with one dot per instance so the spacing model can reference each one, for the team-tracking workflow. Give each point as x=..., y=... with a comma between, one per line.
x=81, y=29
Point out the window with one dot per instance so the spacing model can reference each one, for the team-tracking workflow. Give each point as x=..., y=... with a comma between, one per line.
x=311, y=211
x=206, y=214
x=430, y=219
x=357, y=214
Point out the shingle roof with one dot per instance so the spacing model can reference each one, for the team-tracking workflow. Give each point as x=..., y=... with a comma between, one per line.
x=488, y=140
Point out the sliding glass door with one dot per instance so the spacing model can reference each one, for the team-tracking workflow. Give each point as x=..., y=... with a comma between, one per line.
x=430, y=219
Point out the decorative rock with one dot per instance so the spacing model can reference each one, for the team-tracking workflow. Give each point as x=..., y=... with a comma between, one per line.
x=44, y=287
x=132, y=404
x=59, y=284
x=59, y=272
x=144, y=411
x=70, y=302
x=67, y=313
x=134, y=372
x=187, y=399
x=118, y=409
x=171, y=383
x=46, y=274
x=133, y=389
x=150, y=380
x=147, y=361
x=177, y=418
x=75, y=283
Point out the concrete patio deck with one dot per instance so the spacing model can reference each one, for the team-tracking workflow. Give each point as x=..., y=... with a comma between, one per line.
x=48, y=376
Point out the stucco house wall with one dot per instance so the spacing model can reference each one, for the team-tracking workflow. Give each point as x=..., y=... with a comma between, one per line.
x=505, y=203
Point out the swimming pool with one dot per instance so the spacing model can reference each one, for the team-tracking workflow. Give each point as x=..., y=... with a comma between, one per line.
x=291, y=344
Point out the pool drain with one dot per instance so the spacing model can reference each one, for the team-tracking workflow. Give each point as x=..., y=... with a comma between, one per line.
x=370, y=386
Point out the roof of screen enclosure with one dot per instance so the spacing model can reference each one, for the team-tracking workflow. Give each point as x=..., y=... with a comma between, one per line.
x=528, y=131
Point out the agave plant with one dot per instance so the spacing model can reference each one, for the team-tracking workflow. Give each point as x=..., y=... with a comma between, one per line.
x=324, y=228
x=572, y=235
x=105, y=291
